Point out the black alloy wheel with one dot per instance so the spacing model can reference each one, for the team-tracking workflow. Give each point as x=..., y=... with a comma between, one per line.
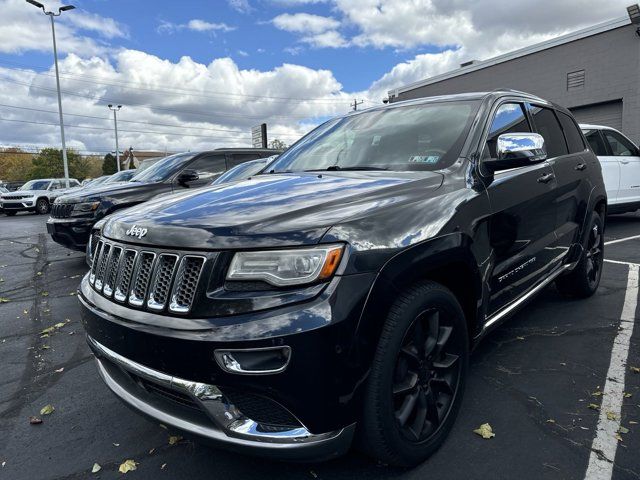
x=594, y=256
x=416, y=382
x=426, y=375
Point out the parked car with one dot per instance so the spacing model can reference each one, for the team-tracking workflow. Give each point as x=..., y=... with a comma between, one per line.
x=620, y=160
x=73, y=215
x=94, y=182
x=147, y=162
x=244, y=170
x=122, y=176
x=35, y=195
x=340, y=294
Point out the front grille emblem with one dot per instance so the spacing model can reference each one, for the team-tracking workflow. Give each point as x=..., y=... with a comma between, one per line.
x=136, y=231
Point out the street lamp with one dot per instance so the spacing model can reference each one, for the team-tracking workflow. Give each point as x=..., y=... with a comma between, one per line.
x=64, y=8
x=115, y=125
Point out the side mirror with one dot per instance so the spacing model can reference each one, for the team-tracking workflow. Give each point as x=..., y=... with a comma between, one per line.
x=517, y=150
x=187, y=176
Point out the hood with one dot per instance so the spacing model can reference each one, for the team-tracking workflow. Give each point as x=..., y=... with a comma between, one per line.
x=100, y=192
x=268, y=210
x=22, y=193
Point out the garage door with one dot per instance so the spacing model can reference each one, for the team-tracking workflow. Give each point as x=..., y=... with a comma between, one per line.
x=609, y=114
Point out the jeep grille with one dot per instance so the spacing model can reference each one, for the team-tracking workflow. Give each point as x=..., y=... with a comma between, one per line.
x=146, y=278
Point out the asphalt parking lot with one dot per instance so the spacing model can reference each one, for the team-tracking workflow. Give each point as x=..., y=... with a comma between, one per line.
x=532, y=379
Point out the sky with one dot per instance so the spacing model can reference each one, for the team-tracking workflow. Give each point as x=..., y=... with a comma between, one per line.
x=196, y=74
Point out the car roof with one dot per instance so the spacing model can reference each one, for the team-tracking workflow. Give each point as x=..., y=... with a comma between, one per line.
x=596, y=127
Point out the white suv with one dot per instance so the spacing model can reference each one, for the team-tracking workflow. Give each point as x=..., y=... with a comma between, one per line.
x=35, y=195
x=620, y=160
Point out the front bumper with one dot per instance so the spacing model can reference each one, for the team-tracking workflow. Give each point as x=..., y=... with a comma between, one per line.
x=218, y=422
x=72, y=233
x=21, y=205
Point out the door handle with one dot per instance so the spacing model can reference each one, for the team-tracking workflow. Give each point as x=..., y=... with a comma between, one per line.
x=580, y=166
x=624, y=162
x=546, y=178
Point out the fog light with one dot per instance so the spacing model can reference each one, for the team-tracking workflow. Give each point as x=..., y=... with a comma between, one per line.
x=254, y=361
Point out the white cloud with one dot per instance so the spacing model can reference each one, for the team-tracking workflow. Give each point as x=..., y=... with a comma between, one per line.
x=204, y=26
x=315, y=30
x=305, y=23
x=195, y=25
x=24, y=28
x=242, y=6
x=243, y=53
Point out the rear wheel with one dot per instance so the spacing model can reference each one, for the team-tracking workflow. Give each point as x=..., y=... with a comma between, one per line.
x=42, y=206
x=417, y=378
x=583, y=281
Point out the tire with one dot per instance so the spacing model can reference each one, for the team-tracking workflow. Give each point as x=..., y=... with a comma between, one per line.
x=411, y=397
x=583, y=281
x=42, y=206
x=9, y=214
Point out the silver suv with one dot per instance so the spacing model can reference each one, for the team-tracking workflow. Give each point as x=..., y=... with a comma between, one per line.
x=35, y=195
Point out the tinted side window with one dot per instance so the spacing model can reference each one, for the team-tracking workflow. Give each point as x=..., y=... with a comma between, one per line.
x=596, y=142
x=571, y=133
x=509, y=118
x=620, y=146
x=238, y=158
x=547, y=125
x=209, y=167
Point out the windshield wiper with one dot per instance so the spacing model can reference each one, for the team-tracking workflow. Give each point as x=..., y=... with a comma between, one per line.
x=332, y=168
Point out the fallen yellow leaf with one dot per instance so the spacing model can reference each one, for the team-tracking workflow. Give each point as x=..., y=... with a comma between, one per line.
x=59, y=325
x=96, y=468
x=551, y=420
x=622, y=429
x=45, y=294
x=597, y=394
x=635, y=369
x=593, y=406
x=485, y=431
x=128, y=466
x=611, y=416
x=173, y=439
x=47, y=410
x=618, y=437
x=48, y=330
x=627, y=395
x=4, y=300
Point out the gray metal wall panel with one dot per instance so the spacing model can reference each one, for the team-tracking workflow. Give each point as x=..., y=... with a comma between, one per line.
x=609, y=114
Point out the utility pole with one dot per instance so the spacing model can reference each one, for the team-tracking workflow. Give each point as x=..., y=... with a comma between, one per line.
x=355, y=104
x=115, y=125
x=55, y=59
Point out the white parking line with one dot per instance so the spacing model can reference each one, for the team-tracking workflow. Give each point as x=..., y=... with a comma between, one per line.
x=604, y=446
x=620, y=262
x=611, y=242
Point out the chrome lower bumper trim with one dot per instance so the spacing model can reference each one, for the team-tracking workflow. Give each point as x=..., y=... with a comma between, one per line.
x=225, y=424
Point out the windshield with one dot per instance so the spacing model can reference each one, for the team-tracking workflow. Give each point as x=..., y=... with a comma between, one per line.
x=413, y=137
x=163, y=169
x=35, y=185
x=242, y=171
x=123, y=176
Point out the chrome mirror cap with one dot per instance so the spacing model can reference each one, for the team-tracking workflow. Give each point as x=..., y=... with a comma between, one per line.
x=513, y=146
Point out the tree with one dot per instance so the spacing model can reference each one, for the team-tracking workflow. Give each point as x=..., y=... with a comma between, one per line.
x=109, y=166
x=15, y=164
x=49, y=164
x=277, y=144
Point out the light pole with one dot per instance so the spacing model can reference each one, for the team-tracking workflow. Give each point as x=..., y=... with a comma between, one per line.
x=55, y=57
x=115, y=125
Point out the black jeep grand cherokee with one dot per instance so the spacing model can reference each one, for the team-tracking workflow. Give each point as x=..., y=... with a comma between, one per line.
x=73, y=216
x=338, y=295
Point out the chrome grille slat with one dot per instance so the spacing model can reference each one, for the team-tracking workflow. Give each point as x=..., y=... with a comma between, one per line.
x=124, y=275
x=105, y=254
x=187, y=278
x=112, y=271
x=95, y=262
x=161, y=281
x=144, y=269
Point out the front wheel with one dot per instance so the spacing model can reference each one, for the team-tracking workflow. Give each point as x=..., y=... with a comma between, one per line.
x=583, y=281
x=42, y=206
x=416, y=382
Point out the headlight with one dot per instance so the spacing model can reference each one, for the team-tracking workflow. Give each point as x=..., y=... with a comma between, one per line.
x=85, y=207
x=286, y=267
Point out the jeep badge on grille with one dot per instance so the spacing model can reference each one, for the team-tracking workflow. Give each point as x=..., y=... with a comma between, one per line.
x=136, y=231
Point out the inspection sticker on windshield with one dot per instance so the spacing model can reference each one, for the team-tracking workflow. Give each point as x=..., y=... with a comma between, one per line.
x=424, y=159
